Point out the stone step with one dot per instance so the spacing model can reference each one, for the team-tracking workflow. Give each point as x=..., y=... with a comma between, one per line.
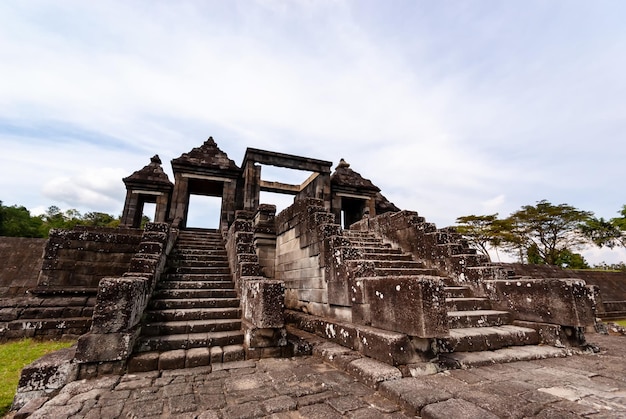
x=225, y=284
x=499, y=356
x=486, y=339
x=384, y=251
x=216, y=244
x=185, y=314
x=185, y=358
x=390, y=257
x=196, y=277
x=356, y=233
x=402, y=264
x=190, y=326
x=468, y=304
x=178, y=303
x=197, y=257
x=457, y=292
x=194, y=293
x=177, y=252
x=210, y=263
x=188, y=340
x=405, y=271
x=199, y=270
x=478, y=318
x=371, y=245
x=82, y=323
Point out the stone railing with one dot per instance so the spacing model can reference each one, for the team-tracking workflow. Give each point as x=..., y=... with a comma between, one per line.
x=560, y=302
x=262, y=299
x=324, y=277
x=120, y=304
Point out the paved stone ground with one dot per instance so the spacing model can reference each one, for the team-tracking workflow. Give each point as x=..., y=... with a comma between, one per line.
x=589, y=386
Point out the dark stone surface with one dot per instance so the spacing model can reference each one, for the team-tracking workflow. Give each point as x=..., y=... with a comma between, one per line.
x=576, y=387
x=21, y=262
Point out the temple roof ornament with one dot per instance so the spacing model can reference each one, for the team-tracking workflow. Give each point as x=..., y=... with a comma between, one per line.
x=151, y=174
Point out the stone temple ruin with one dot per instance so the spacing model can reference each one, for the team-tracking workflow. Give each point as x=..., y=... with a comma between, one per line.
x=341, y=264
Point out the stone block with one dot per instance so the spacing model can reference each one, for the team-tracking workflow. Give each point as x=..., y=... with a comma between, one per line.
x=373, y=372
x=172, y=360
x=216, y=354
x=233, y=353
x=389, y=347
x=255, y=337
x=120, y=304
x=414, y=305
x=97, y=347
x=147, y=361
x=197, y=357
x=47, y=374
x=567, y=302
x=455, y=408
x=263, y=303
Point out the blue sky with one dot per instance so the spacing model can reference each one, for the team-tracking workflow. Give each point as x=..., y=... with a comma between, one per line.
x=450, y=107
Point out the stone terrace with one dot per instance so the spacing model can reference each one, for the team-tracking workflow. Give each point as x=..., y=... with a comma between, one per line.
x=590, y=386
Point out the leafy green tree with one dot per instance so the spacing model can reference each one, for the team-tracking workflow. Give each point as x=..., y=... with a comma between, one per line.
x=17, y=222
x=99, y=219
x=540, y=234
x=479, y=231
x=607, y=233
x=549, y=229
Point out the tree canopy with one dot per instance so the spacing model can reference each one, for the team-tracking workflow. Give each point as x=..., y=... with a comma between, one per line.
x=544, y=233
x=16, y=221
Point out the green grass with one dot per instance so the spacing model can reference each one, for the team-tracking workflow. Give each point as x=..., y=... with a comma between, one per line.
x=620, y=322
x=13, y=357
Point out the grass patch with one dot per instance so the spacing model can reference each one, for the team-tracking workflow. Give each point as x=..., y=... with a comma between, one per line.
x=16, y=355
x=620, y=322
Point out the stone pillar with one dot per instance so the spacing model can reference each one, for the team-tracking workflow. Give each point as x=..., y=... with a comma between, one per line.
x=228, y=204
x=162, y=204
x=180, y=201
x=252, y=187
x=265, y=238
x=130, y=209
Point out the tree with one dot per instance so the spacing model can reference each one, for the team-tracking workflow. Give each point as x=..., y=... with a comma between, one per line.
x=609, y=233
x=479, y=231
x=99, y=219
x=17, y=222
x=549, y=230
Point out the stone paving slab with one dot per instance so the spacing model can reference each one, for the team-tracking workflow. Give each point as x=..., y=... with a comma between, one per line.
x=587, y=386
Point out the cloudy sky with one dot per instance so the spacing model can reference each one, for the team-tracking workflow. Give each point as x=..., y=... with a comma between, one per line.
x=450, y=107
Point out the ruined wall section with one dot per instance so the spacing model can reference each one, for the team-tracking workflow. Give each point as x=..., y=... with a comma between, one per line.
x=440, y=249
x=61, y=303
x=612, y=285
x=20, y=263
x=301, y=230
x=120, y=304
x=262, y=298
x=79, y=258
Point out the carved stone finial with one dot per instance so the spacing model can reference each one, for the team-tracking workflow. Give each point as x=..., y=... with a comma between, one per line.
x=343, y=164
x=155, y=159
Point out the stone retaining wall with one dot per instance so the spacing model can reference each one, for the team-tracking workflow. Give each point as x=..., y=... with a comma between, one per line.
x=20, y=263
x=612, y=285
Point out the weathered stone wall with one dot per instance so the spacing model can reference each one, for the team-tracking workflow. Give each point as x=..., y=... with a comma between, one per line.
x=121, y=302
x=440, y=249
x=612, y=285
x=20, y=263
x=79, y=258
x=298, y=261
x=262, y=298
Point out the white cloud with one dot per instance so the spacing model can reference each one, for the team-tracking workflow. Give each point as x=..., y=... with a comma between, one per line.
x=98, y=188
x=448, y=107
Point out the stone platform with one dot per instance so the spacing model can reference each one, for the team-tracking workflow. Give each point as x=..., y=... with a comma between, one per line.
x=588, y=386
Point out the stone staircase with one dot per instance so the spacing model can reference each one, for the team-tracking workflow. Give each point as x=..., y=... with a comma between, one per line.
x=478, y=335
x=380, y=259
x=194, y=316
